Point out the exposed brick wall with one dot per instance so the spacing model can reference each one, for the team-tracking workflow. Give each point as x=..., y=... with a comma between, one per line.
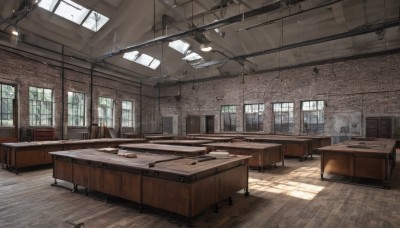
x=352, y=90
x=23, y=72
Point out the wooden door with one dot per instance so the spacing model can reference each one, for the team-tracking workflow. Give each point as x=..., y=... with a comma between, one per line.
x=209, y=124
x=192, y=124
x=378, y=127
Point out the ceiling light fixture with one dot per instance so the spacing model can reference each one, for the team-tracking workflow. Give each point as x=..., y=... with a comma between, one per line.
x=205, y=48
x=14, y=30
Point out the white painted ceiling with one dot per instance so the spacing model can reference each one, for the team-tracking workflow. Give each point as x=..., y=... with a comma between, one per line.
x=139, y=21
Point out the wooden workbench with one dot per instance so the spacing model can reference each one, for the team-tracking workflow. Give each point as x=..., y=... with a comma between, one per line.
x=191, y=142
x=318, y=141
x=291, y=146
x=186, y=151
x=159, y=137
x=25, y=154
x=214, y=139
x=368, y=159
x=263, y=154
x=185, y=186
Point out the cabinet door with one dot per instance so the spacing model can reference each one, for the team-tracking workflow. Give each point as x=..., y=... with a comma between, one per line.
x=112, y=182
x=95, y=182
x=80, y=174
x=130, y=187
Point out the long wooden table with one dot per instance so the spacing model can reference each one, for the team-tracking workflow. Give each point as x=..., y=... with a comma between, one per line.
x=182, y=142
x=158, y=137
x=185, y=186
x=263, y=154
x=318, y=141
x=214, y=139
x=186, y=151
x=25, y=154
x=291, y=146
x=368, y=159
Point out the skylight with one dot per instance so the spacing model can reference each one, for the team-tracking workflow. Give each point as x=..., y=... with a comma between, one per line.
x=95, y=21
x=179, y=45
x=76, y=13
x=142, y=59
x=71, y=11
x=192, y=56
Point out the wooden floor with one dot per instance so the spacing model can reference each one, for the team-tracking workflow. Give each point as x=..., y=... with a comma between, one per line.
x=290, y=196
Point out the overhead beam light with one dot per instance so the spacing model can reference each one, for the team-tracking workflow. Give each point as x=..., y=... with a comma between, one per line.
x=205, y=48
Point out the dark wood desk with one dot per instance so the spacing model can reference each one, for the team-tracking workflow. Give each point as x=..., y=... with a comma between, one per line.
x=291, y=146
x=187, y=151
x=263, y=154
x=25, y=154
x=368, y=159
x=184, y=186
x=214, y=139
x=182, y=142
x=159, y=137
x=318, y=141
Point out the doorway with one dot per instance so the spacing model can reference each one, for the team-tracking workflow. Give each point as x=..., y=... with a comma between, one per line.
x=167, y=125
x=378, y=127
x=192, y=124
x=209, y=124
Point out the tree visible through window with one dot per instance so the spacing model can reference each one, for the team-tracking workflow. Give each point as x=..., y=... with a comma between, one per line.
x=283, y=117
x=40, y=106
x=127, y=114
x=313, y=116
x=76, y=109
x=7, y=95
x=254, y=120
x=228, y=117
x=106, y=111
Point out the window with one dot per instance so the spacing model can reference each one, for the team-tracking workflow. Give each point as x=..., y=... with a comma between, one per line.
x=76, y=13
x=40, y=107
x=253, y=117
x=127, y=114
x=142, y=59
x=180, y=46
x=106, y=111
x=7, y=95
x=283, y=117
x=313, y=116
x=228, y=117
x=76, y=109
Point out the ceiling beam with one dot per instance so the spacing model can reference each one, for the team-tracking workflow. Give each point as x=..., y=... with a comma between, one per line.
x=200, y=29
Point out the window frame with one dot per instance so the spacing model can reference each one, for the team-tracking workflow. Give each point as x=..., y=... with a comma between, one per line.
x=232, y=118
x=290, y=124
x=319, y=129
x=132, y=118
x=79, y=116
x=112, y=119
x=13, y=112
x=260, y=126
x=42, y=102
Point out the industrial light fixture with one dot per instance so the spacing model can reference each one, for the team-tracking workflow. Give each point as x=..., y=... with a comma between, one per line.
x=205, y=48
x=15, y=31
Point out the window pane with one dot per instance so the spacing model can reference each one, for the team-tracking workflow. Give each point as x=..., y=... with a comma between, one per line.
x=106, y=111
x=71, y=11
x=48, y=4
x=76, y=109
x=95, y=21
x=40, y=106
x=144, y=59
x=179, y=46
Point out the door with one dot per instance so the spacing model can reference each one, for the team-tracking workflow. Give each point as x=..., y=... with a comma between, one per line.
x=167, y=125
x=192, y=124
x=209, y=124
x=378, y=127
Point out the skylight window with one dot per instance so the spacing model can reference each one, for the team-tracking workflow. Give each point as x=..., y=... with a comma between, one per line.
x=192, y=56
x=142, y=59
x=71, y=11
x=179, y=45
x=48, y=4
x=76, y=13
x=131, y=56
x=95, y=21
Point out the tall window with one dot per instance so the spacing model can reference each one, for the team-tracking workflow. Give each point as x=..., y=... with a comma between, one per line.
x=7, y=95
x=253, y=117
x=76, y=109
x=228, y=117
x=283, y=117
x=313, y=116
x=106, y=111
x=40, y=107
x=127, y=114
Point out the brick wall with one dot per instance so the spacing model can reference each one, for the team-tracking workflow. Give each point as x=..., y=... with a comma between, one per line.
x=352, y=89
x=24, y=70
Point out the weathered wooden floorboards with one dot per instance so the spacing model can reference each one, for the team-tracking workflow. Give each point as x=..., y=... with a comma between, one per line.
x=289, y=196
